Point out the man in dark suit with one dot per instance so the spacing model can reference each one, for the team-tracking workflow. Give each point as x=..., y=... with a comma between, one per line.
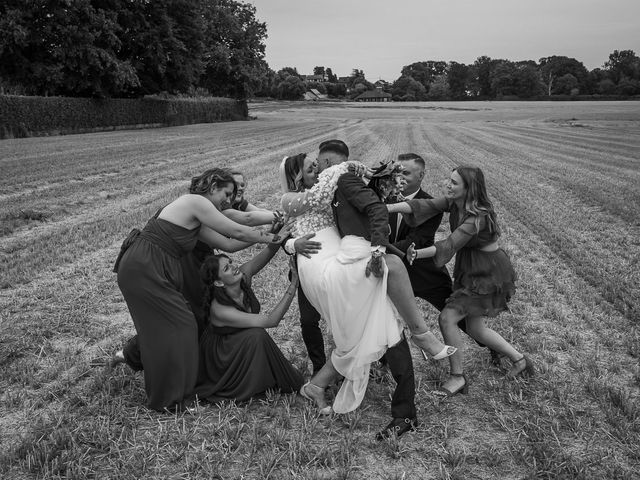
x=429, y=282
x=359, y=211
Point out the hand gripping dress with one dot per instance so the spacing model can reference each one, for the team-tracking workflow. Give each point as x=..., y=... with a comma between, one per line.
x=362, y=319
x=483, y=282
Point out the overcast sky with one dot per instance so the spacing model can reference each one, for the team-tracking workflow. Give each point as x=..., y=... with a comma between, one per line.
x=380, y=37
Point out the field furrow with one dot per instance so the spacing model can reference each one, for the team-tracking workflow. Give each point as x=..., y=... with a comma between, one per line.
x=564, y=180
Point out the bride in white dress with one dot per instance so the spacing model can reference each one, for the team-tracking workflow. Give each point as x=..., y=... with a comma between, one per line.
x=359, y=314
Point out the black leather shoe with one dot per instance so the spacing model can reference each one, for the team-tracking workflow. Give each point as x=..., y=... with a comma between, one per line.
x=398, y=427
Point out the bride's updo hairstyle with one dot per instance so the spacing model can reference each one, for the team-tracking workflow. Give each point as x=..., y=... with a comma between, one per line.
x=293, y=168
x=209, y=274
x=212, y=179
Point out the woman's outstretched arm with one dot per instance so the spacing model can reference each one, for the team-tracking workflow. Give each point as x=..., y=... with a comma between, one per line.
x=400, y=207
x=210, y=216
x=250, y=218
x=219, y=241
x=259, y=261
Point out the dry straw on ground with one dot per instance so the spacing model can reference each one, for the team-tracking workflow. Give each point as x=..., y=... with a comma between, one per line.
x=564, y=178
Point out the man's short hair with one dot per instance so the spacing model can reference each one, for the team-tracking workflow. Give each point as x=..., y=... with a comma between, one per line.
x=336, y=146
x=412, y=156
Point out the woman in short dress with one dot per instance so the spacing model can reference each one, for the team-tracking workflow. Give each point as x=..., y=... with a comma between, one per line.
x=484, y=279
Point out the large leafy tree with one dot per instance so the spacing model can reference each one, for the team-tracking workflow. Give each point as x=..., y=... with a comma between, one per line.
x=623, y=63
x=408, y=89
x=288, y=86
x=425, y=72
x=554, y=67
x=458, y=79
x=100, y=47
x=234, y=48
x=164, y=41
x=63, y=48
x=483, y=67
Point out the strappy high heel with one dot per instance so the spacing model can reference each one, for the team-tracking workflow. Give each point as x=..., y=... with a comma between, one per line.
x=518, y=369
x=318, y=398
x=446, y=351
x=464, y=389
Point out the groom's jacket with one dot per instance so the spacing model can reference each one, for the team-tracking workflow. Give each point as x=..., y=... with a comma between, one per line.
x=359, y=211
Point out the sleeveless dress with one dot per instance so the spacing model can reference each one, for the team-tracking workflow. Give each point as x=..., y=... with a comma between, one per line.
x=151, y=281
x=360, y=316
x=193, y=288
x=239, y=363
x=483, y=282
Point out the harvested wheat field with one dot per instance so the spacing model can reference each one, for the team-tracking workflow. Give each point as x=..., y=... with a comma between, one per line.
x=565, y=181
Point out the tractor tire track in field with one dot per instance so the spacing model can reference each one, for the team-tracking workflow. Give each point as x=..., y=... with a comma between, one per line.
x=611, y=189
x=577, y=417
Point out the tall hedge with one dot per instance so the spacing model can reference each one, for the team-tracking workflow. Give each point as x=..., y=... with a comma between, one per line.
x=31, y=116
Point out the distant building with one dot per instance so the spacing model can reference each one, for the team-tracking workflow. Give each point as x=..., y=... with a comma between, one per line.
x=313, y=78
x=381, y=84
x=314, y=95
x=344, y=79
x=376, y=95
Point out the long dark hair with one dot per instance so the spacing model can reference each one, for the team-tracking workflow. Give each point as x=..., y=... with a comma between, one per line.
x=209, y=275
x=212, y=178
x=293, y=168
x=476, y=201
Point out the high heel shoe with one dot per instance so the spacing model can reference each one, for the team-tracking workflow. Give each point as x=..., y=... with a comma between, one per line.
x=117, y=359
x=518, y=369
x=318, y=398
x=446, y=351
x=464, y=389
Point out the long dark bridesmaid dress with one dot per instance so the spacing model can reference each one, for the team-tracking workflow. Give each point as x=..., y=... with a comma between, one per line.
x=239, y=363
x=151, y=280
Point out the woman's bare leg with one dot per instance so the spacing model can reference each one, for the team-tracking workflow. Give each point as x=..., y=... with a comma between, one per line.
x=478, y=330
x=401, y=294
x=314, y=389
x=448, y=320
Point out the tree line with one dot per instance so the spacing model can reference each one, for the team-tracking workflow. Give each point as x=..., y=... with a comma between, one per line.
x=489, y=78
x=132, y=48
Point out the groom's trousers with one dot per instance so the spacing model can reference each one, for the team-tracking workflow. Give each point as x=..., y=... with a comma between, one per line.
x=401, y=366
x=311, y=332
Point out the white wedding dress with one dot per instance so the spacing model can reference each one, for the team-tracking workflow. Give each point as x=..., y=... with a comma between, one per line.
x=362, y=319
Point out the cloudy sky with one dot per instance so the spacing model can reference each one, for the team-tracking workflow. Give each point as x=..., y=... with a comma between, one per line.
x=380, y=37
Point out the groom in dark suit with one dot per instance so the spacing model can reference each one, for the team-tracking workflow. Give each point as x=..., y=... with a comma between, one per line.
x=359, y=211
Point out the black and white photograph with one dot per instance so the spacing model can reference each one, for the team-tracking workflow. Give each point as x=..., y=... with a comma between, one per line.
x=339, y=240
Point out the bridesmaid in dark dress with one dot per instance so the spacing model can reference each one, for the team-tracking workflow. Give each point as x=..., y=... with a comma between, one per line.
x=238, y=358
x=484, y=279
x=151, y=280
x=239, y=210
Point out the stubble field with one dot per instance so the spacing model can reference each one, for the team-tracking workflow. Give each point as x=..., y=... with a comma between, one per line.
x=564, y=178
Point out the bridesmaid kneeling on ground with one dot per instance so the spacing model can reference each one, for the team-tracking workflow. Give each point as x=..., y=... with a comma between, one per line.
x=150, y=277
x=238, y=358
x=483, y=277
